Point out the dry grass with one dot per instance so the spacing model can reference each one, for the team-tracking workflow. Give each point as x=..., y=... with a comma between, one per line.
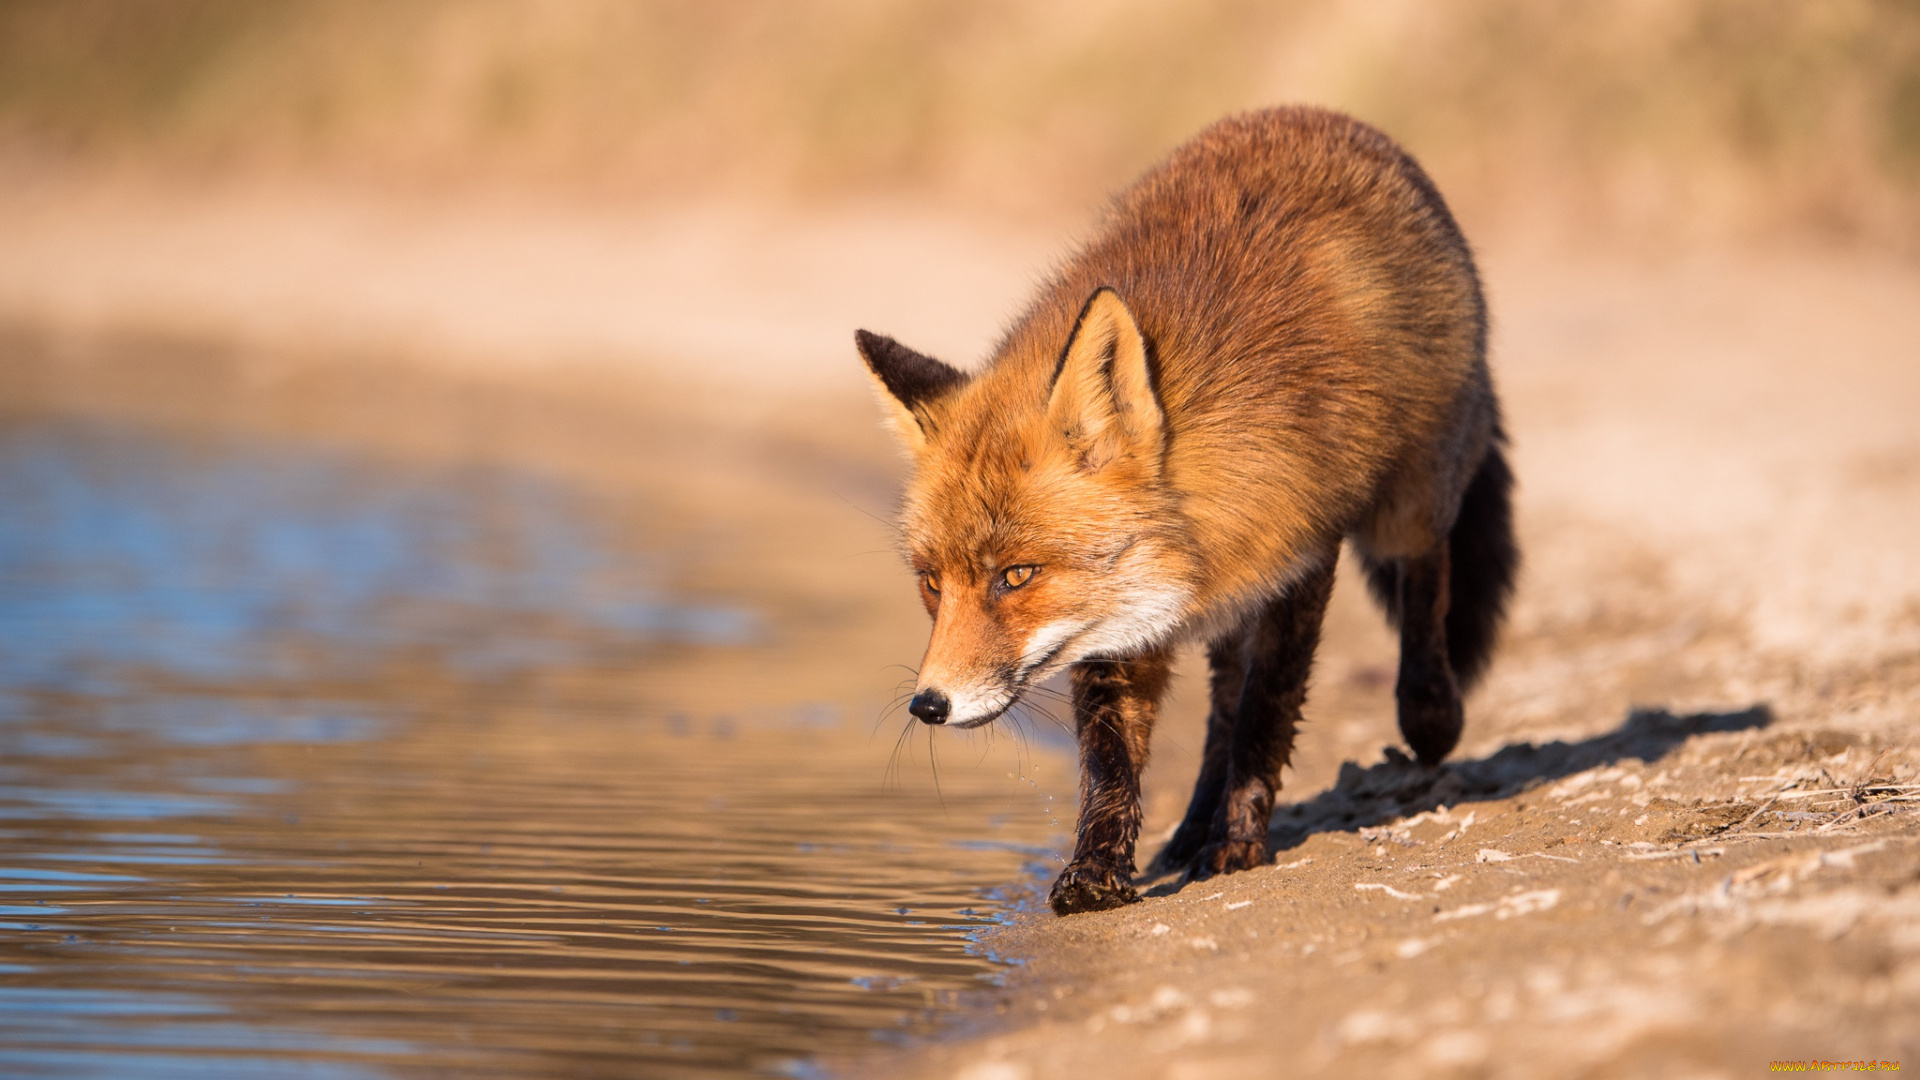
x=1708, y=116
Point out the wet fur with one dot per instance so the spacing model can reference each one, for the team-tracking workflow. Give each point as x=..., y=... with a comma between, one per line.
x=1275, y=342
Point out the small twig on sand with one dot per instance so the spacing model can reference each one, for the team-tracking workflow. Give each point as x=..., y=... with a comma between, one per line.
x=1878, y=806
x=1764, y=807
x=1865, y=789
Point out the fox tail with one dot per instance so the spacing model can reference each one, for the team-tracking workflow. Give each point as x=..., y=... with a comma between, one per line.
x=1484, y=560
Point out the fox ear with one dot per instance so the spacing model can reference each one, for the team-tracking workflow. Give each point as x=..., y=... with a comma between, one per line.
x=905, y=382
x=1103, y=402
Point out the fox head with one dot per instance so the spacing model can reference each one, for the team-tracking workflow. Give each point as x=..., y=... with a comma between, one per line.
x=1037, y=517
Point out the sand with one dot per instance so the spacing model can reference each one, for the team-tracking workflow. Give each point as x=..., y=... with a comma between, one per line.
x=1677, y=837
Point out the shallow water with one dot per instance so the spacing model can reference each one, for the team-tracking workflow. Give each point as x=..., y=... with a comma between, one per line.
x=313, y=766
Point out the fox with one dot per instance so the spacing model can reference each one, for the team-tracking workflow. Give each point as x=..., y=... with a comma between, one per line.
x=1274, y=342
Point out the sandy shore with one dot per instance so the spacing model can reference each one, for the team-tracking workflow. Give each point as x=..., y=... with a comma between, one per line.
x=1675, y=839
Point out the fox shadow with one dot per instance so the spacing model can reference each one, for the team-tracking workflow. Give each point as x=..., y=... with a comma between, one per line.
x=1399, y=787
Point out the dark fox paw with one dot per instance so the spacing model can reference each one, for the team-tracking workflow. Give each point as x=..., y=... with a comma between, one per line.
x=1430, y=721
x=1226, y=857
x=1090, y=887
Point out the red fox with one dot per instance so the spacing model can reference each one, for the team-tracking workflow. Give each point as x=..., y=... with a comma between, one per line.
x=1275, y=341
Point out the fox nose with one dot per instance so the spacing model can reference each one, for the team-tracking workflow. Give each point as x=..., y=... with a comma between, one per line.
x=931, y=706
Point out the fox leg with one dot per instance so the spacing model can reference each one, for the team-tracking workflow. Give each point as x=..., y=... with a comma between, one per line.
x=1428, y=695
x=1228, y=663
x=1115, y=703
x=1279, y=658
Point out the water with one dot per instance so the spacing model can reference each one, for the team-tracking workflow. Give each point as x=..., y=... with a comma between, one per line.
x=315, y=767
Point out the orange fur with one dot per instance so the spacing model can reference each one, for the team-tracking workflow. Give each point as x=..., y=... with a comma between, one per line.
x=1276, y=340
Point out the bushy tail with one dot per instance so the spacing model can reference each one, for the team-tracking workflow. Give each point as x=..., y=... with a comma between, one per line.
x=1484, y=558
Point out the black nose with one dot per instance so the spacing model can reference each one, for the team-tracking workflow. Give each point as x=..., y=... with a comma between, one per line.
x=931, y=706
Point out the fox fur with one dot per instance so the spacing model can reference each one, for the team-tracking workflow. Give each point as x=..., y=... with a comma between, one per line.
x=1276, y=341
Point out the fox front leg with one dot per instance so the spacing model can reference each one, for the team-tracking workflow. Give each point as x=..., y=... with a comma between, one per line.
x=1228, y=663
x=1115, y=703
x=1280, y=650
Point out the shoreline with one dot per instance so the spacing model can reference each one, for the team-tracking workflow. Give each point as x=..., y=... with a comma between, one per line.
x=1719, y=486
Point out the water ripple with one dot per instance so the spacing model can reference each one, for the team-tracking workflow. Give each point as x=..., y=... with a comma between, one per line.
x=319, y=769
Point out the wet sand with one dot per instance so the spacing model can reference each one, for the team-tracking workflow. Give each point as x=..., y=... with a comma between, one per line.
x=1676, y=833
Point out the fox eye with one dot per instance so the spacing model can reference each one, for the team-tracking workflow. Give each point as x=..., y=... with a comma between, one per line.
x=1016, y=576
x=931, y=583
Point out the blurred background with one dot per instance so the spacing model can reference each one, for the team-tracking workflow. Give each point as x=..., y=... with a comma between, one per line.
x=527, y=181
x=1698, y=118
x=447, y=612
